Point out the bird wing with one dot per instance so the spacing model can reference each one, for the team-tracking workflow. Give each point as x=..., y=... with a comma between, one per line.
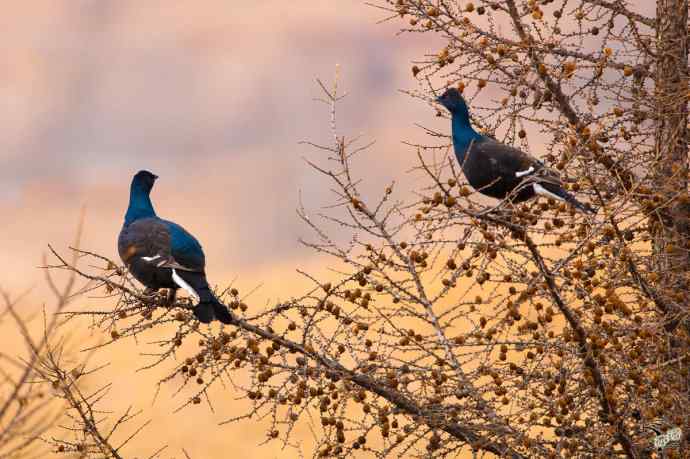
x=509, y=162
x=161, y=243
x=185, y=248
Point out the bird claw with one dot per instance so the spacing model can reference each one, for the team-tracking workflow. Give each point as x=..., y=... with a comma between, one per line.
x=171, y=297
x=486, y=211
x=496, y=211
x=150, y=293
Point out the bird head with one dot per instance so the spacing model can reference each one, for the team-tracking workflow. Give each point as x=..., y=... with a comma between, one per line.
x=144, y=180
x=452, y=100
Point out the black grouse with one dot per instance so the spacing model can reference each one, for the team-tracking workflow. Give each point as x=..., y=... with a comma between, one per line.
x=499, y=170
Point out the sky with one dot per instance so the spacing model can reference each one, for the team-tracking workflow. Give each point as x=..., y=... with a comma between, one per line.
x=214, y=97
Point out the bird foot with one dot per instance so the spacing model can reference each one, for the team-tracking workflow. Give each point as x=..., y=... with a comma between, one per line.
x=155, y=297
x=151, y=292
x=171, y=297
x=498, y=212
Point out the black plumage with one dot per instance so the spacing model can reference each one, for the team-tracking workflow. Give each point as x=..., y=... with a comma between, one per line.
x=161, y=254
x=496, y=169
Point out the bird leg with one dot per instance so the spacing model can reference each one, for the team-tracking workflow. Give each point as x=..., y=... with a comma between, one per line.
x=152, y=295
x=172, y=296
x=498, y=213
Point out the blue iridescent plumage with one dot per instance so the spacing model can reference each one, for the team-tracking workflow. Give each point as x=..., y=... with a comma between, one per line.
x=162, y=254
x=140, y=205
x=463, y=132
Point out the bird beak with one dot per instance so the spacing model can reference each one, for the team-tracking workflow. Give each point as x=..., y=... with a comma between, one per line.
x=439, y=100
x=155, y=177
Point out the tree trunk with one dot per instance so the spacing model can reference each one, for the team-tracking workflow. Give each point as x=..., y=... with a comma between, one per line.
x=670, y=170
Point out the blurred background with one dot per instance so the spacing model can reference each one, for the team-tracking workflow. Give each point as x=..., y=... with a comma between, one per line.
x=214, y=97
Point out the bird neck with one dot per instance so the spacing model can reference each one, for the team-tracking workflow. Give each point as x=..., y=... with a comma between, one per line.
x=140, y=205
x=463, y=133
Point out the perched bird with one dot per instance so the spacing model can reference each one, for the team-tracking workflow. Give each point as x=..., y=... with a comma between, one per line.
x=162, y=254
x=496, y=169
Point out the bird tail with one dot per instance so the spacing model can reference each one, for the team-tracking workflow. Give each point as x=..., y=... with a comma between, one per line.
x=569, y=198
x=210, y=308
